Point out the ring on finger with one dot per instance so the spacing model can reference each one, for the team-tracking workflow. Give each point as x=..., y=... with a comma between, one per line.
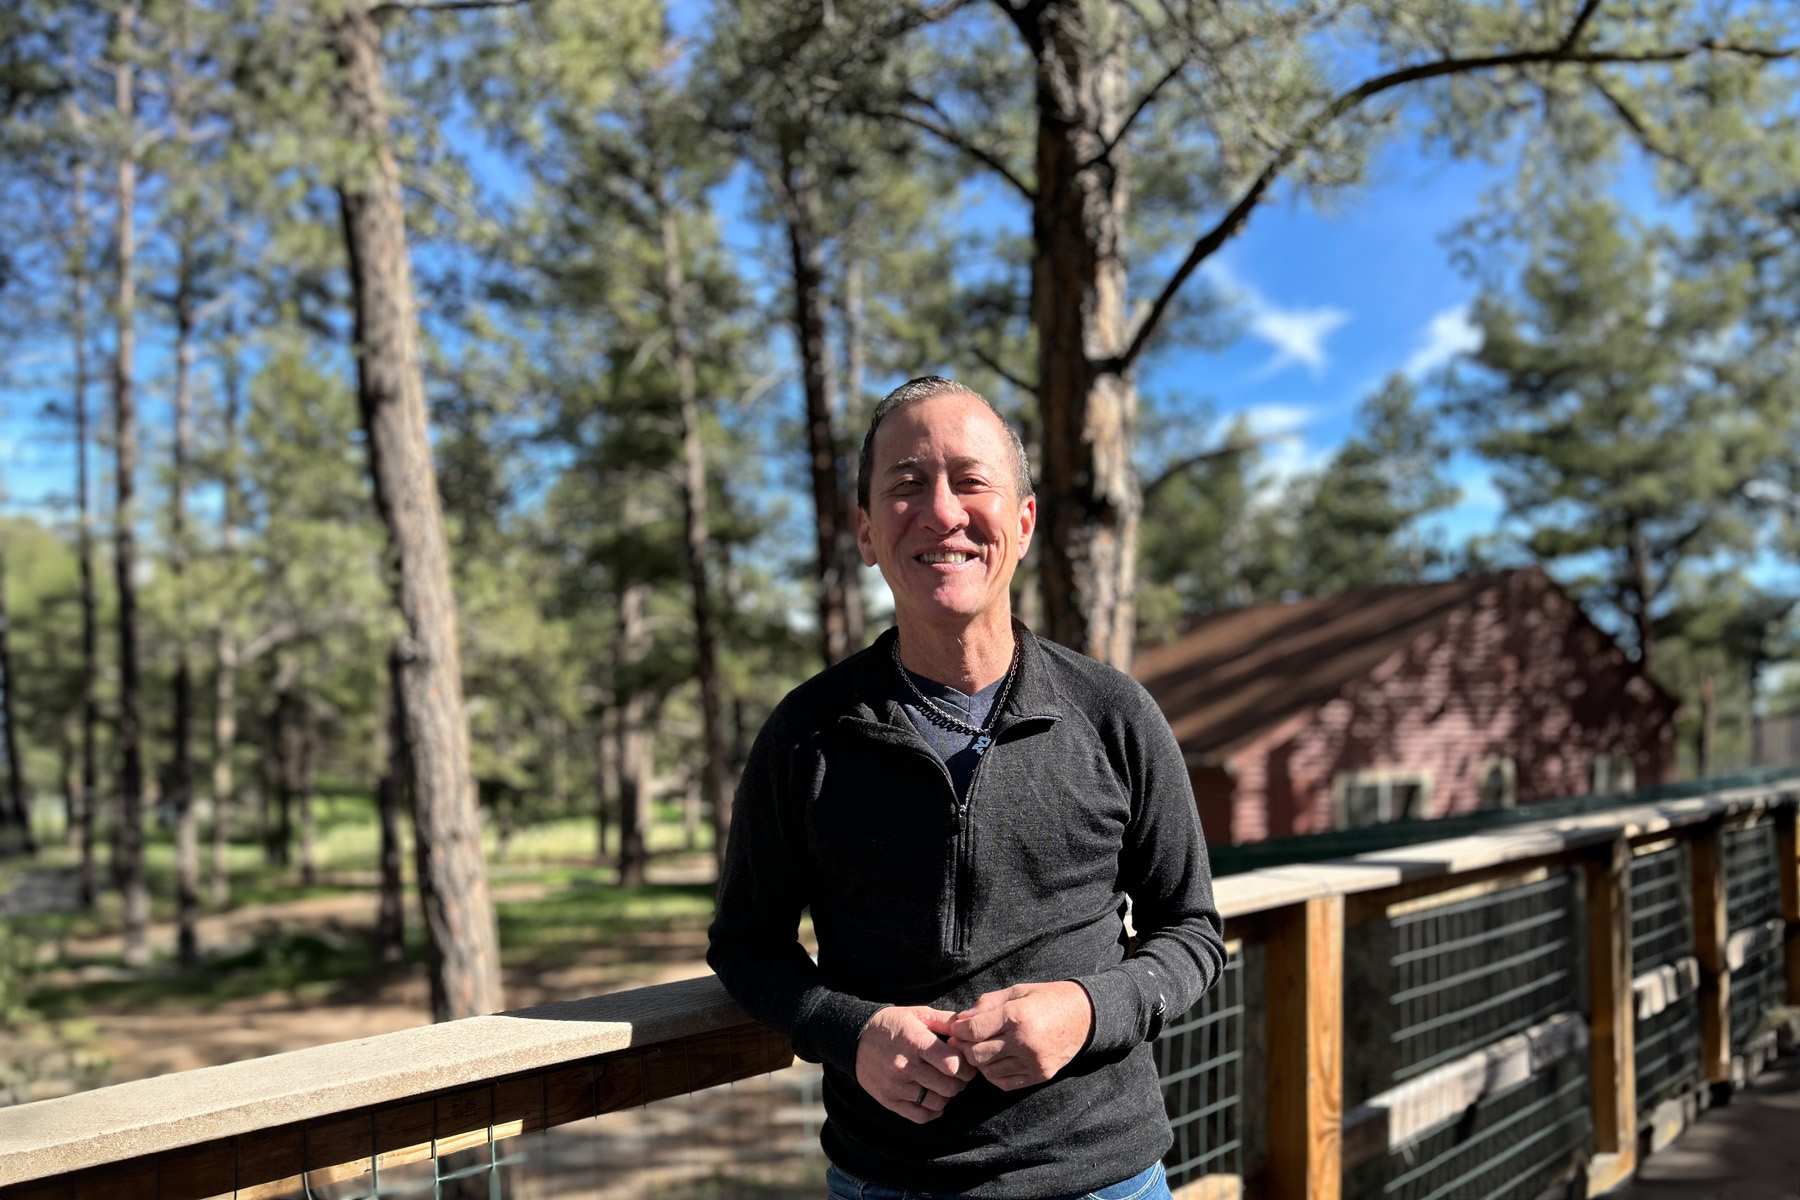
x=921, y=1100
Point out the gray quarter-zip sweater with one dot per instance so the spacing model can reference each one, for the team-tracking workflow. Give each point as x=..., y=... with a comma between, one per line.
x=919, y=898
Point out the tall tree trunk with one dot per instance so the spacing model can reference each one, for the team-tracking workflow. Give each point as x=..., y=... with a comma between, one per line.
x=633, y=757
x=390, y=921
x=713, y=793
x=1090, y=500
x=1706, y=737
x=226, y=650
x=279, y=850
x=187, y=844
x=306, y=777
x=130, y=733
x=1642, y=588
x=856, y=357
x=18, y=810
x=459, y=911
x=89, y=802
x=606, y=773
x=840, y=587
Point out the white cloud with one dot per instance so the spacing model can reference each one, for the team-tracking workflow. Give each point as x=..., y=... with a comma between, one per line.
x=1276, y=420
x=1298, y=334
x=1449, y=334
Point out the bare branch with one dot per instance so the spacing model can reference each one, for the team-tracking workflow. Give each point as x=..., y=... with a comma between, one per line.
x=390, y=8
x=993, y=365
x=1137, y=110
x=1182, y=466
x=956, y=140
x=1588, y=9
x=1233, y=221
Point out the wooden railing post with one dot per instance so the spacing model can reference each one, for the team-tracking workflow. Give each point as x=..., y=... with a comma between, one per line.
x=1614, y=1073
x=1305, y=1014
x=1787, y=861
x=1711, y=932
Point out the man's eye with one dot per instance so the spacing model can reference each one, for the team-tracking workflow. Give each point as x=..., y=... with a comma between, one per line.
x=971, y=483
x=906, y=485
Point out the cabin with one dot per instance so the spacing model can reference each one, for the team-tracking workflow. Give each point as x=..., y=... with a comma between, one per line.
x=1337, y=712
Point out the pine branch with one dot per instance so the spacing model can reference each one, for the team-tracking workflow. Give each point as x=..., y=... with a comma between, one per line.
x=1345, y=102
x=993, y=365
x=392, y=7
x=1144, y=102
x=957, y=141
x=1182, y=466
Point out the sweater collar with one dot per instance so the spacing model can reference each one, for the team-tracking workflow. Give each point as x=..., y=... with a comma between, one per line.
x=1033, y=696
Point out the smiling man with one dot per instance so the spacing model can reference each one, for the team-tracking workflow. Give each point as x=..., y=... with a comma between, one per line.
x=967, y=810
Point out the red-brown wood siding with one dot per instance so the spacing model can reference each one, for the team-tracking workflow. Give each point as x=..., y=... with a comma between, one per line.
x=1518, y=672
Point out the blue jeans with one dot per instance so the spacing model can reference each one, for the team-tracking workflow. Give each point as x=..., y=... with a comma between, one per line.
x=1148, y=1184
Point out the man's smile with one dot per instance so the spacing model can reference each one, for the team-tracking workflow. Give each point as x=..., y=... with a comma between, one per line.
x=947, y=557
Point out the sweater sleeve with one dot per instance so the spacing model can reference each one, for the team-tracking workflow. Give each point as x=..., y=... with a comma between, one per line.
x=1180, y=946
x=754, y=943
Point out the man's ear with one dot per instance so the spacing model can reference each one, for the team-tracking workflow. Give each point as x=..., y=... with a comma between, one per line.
x=865, y=535
x=1027, y=523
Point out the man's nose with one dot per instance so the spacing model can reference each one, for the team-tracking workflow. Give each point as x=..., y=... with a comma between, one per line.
x=946, y=512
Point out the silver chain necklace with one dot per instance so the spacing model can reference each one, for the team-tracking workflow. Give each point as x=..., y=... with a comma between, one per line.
x=949, y=720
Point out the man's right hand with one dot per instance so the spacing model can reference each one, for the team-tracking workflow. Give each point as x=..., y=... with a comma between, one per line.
x=901, y=1052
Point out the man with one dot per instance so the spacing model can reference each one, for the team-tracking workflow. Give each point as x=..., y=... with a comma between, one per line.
x=966, y=808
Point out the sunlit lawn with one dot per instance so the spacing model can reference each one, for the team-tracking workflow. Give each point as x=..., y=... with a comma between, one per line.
x=556, y=904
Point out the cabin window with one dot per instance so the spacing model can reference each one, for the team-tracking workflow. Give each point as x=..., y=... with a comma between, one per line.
x=1611, y=775
x=1498, y=778
x=1374, y=797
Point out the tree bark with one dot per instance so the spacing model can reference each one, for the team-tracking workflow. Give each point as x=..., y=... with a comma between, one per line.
x=226, y=650
x=18, y=811
x=713, y=794
x=633, y=758
x=1706, y=737
x=187, y=845
x=856, y=358
x=1642, y=588
x=606, y=772
x=459, y=911
x=1089, y=500
x=277, y=849
x=306, y=776
x=130, y=733
x=89, y=799
x=390, y=921
x=840, y=587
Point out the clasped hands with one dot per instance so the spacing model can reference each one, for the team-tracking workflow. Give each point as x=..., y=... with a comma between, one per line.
x=912, y=1060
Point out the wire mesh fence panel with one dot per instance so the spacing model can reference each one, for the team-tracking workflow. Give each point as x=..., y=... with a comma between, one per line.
x=1512, y=1145
x=1200, y=1059
x=756, y=1138
x=1472, y=970
x=1752, y=881
x=1756, y=987
x=1666, y=1049
x=1662, y=909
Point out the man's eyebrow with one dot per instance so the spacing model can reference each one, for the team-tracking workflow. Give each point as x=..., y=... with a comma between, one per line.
x=904, y=464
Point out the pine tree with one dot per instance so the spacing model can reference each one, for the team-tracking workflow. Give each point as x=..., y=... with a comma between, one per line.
x=1627, y=420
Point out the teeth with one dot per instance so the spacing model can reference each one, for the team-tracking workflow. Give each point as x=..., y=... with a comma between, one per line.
x=953, y=556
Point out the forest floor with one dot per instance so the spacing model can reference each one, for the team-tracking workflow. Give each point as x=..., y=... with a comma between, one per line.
x=285, y=966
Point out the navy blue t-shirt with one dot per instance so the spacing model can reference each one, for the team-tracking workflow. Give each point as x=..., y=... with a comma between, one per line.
x=955, y=748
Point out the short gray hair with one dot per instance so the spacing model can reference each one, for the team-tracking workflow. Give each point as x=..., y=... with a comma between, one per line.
x=926, y=387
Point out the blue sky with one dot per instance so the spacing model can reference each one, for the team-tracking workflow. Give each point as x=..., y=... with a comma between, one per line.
x=1332, y=304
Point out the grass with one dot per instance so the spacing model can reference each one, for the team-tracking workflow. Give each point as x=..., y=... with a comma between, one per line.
x=577, y=909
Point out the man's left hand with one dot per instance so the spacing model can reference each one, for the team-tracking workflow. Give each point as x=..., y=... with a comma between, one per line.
x=1024, y=1034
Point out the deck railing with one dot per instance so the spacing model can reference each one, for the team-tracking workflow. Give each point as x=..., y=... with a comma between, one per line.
x=1504, y=1014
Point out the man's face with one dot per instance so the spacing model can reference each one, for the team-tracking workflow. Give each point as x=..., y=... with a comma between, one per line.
x=945, y=522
